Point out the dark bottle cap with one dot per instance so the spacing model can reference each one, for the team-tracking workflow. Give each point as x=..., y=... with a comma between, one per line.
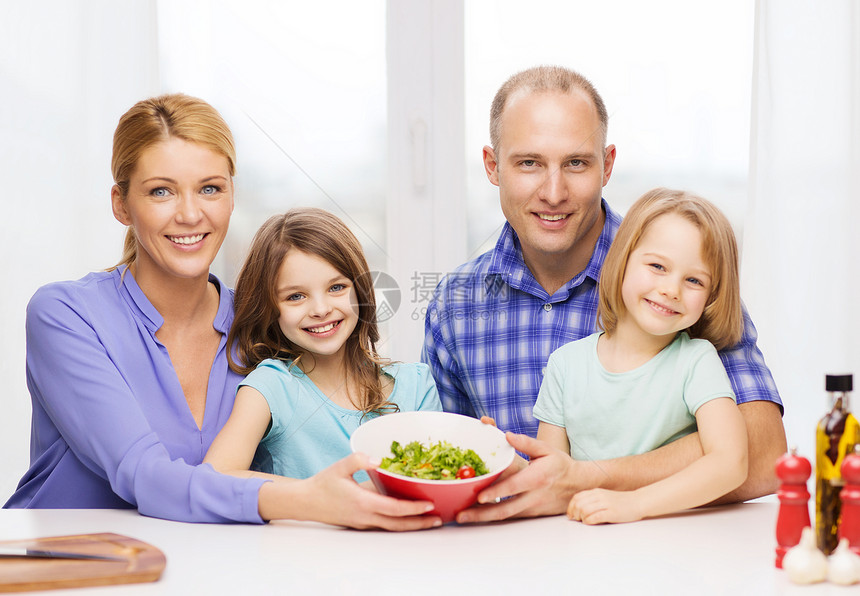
x=841, y=383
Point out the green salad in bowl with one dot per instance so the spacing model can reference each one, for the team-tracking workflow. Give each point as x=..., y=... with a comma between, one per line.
x=439, y=461
x=440, y=457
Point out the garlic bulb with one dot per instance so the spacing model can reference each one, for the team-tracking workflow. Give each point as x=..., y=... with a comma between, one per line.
x=844, y=565
x=804, y=563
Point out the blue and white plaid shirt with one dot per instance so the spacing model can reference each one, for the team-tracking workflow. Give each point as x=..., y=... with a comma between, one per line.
x=490, y=329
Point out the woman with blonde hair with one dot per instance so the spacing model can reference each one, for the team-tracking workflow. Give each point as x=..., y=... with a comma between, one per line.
x=128, y=368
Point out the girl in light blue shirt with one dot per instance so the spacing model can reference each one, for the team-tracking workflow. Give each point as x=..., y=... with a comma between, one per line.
x=128, y=368
x=305, y=333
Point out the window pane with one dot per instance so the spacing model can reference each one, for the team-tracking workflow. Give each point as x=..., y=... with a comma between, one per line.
x=675, y=77
x=302, y=86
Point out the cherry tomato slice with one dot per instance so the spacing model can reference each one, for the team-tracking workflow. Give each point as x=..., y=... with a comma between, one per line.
x=465, y=472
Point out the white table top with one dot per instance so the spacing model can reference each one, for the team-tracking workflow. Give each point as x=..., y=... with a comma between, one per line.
x=724, y=550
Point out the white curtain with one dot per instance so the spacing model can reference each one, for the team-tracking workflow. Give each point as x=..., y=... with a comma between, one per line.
x=800, y=256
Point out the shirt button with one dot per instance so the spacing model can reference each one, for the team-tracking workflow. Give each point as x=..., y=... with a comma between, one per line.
x=547, y=307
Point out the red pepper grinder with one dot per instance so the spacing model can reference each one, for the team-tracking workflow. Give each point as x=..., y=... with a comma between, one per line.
x=849, y=526
x=793, y=470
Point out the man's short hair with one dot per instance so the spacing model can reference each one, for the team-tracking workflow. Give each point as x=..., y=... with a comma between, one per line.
x=544, y=78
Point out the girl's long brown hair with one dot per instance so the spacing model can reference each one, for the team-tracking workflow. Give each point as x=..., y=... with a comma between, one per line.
x=255, y=334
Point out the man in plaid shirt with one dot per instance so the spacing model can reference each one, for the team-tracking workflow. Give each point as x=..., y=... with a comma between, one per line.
x=493, y=322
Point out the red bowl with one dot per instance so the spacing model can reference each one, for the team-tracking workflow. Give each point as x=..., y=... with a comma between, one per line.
x=449, y=496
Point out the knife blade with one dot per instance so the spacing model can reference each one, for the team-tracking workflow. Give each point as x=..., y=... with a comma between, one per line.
x=21, y=552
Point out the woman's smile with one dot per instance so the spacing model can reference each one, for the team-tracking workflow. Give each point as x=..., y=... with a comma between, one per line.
x=179, y=203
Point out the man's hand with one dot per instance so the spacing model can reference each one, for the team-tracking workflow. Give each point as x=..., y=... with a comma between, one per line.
x=543, y=487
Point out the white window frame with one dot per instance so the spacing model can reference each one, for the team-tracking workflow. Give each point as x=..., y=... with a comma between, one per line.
x=426, y=215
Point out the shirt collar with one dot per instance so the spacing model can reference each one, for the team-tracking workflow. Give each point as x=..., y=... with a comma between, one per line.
x=508, y=263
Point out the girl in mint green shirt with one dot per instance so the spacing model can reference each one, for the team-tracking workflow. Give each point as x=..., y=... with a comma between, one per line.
x=669, y=299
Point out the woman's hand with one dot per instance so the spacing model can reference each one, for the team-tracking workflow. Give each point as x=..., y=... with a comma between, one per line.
x=332, y=496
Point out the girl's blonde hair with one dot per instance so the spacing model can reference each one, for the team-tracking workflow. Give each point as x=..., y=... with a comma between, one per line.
x=721, y=322
x=157, y=119
x=255, y=332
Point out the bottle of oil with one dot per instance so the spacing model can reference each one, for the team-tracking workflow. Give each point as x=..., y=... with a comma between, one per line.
x=836, y=435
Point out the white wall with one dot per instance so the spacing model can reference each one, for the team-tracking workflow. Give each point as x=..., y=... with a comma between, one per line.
x=64, y=82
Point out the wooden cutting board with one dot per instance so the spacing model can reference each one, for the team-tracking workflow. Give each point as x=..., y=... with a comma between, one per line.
x=141, y=563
